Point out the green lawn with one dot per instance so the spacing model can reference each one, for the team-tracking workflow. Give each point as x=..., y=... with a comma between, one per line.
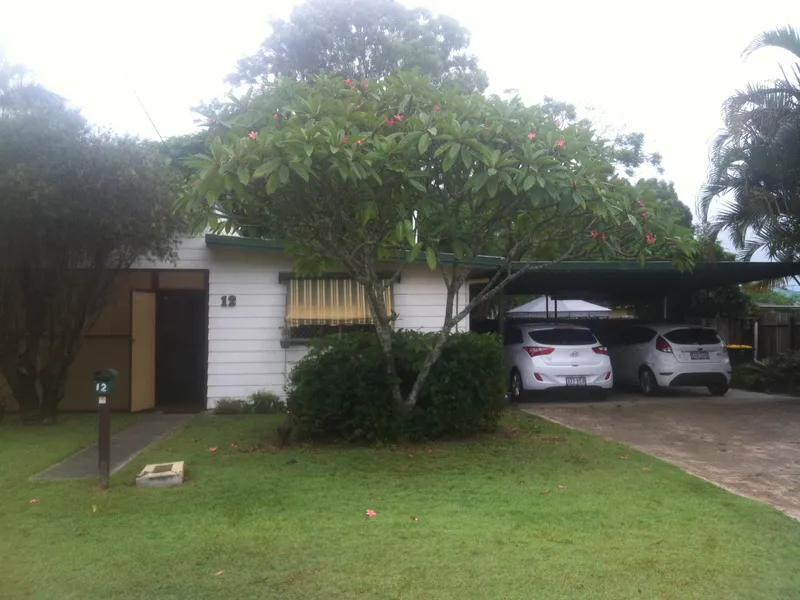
x=454, y=521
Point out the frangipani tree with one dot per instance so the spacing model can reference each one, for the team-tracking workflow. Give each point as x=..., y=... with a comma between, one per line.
x=350, y=174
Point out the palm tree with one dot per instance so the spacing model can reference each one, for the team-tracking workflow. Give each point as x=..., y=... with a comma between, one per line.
x=755, y=161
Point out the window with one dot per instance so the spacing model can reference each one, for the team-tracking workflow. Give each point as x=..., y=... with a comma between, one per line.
x=634, y=335
x=563, y=336
x=317, y=307
x=693, y=336
x=512, y=336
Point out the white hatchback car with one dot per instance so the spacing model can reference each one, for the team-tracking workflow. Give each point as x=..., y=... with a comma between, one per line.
x=655, y=356
x=543, y=357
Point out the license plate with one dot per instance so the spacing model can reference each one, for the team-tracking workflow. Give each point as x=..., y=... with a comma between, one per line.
x=699, y=355
x=576, y=381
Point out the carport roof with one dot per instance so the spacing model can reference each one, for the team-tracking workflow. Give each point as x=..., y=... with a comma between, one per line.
x=632, y=278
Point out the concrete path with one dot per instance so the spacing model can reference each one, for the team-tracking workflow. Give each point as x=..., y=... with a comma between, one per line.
x=745, y=442
x=125, y=446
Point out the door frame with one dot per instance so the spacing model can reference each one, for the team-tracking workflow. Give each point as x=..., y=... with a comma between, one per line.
x=155, y=288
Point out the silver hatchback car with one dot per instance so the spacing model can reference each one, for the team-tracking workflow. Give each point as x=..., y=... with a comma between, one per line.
x=543, y=357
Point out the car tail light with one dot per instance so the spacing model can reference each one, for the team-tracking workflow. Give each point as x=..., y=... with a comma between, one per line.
x=538, y=350
x=662, y=345
x=608, y=376
x=538, y=377
x=600, y=350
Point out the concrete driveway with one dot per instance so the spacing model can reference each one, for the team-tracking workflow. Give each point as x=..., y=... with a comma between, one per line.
x=745, y=442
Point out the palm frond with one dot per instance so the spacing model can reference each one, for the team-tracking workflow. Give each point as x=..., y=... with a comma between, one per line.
x=787, y=38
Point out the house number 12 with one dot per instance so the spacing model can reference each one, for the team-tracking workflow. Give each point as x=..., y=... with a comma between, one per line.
x=229, y=301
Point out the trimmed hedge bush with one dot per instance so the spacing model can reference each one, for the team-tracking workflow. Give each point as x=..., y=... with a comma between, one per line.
x=340, y=389
x=779, y=374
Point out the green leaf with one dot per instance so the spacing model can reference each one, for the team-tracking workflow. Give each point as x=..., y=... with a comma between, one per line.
x=528, y=183
x=454, y=149
x=578, y=198
x=491, y=187
x=424, y=142
x=267, y=168
x=301, y=171
x=283, y=173
x=414, y=252
x=417, y=185
x=441, y=149
x=370, y=212
x=479, y=181
x=448, y=161
x=540, y=180
x=272, y=182
x=430, y=257
x=244, y=174
x=492, y=172
x=466, y=157
x=633, y=221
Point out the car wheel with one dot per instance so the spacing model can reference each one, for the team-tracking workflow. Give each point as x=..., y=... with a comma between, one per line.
x=718, y=390
x=517, y=389
x=647, y=382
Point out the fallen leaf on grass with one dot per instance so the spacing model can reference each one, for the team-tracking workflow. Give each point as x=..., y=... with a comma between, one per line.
x=212, y=449
x=415, y=518
x=623, y=457
x=220, y=572
x=94, y=508
x=234, y=445
x=645, y=468
x=371, y=513
x=410, y=456
x=430, y=451
x=561, y=486
x=545, y=492
x=33, y=501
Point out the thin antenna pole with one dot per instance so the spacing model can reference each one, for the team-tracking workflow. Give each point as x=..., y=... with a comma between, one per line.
x=147, y=114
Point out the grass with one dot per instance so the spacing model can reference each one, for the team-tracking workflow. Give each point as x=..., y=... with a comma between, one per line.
x=454, y=520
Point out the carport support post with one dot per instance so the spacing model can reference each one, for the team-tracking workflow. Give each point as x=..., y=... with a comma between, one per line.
x=501, y=315
x=665, y=308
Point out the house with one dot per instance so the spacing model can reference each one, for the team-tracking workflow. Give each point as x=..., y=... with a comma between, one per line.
x=228, y=318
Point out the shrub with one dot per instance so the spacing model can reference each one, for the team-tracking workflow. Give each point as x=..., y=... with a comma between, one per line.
x=780, y=374
x=232, y=406
x=340, y=388
x=266, y=403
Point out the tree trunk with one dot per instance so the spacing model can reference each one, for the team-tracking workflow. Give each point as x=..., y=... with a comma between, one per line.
x=53, y=387
x=453, y=285
x=383, y=328
x=23, y=388
x=430, y=360
x=386, y=338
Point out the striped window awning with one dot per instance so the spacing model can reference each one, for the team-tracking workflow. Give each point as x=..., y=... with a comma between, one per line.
x=329, y=302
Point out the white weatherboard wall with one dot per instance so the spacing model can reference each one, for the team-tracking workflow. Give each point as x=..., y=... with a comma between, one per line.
x=244, y=352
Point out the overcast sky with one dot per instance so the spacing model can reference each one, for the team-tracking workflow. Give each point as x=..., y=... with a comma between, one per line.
x=660, y=68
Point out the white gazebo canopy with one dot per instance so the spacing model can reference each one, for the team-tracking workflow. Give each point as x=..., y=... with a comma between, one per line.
x=545, y=307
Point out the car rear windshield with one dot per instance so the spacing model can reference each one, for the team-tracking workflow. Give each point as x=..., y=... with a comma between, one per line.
x=691, y=336
x=563, y=337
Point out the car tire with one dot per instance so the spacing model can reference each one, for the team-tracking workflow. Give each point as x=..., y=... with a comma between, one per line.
x=516, y=387
x=647, y=382
x=718, y=390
